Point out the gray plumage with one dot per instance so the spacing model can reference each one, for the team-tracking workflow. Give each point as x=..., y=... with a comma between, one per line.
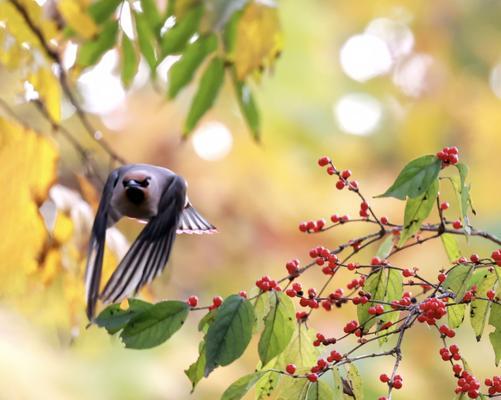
x=145, y=192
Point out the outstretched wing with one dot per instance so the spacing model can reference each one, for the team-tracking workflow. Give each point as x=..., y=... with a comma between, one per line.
x=150, y=252
x=191, y=222
x=96, y=245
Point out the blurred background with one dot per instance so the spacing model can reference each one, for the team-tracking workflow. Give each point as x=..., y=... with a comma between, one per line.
x=370, y=84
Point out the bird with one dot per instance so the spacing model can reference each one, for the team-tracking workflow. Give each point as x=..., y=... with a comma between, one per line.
x=150, y=194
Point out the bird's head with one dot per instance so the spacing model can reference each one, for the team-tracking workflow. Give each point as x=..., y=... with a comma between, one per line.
x=136, y=186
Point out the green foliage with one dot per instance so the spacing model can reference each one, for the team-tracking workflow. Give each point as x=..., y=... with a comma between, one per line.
x=239, y=388
x=385, y=248
x=495, y=321
x=154, y=325
x=182, y=72
x=208, y=89
x=415, y=179
x=279, y=327
x=114, y=319
x=384, y=284
x=129, y=61
x=144, y=325
x=417, y=210
x=230, y=333
x=459, y=280
x=355, y=381
x=91, y=52
x=451, y=246
x=242, y=35
x=480, y=308
x=102, y=10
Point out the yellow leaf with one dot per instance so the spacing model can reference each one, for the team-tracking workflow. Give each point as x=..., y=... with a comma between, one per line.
x=47, y=86
x=63, y=228
x=28, y=169
x=258, y=40
x=74, y=14
x=51, y=266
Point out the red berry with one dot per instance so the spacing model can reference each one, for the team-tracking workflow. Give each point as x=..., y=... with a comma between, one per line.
x=243, y=294
x=384, y=378
x=444, y=206
x=474, y=258
x=331, y=170
x=291, y=369
x=406, y=272
x=335, y=218
x=217, y=301
x=384, y=220
x=457, y=224
x=397, y=384
x=441, y=277
x=312, y=377
x=192, y=301
x=491, y=294
x=323, y=161
x=346, y=174
x=340, y=185
x=376, y=261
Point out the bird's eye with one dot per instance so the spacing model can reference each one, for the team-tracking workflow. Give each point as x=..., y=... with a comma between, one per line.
x=145, y=182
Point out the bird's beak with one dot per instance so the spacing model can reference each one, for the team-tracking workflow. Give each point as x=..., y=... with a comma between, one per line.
x=132, y=184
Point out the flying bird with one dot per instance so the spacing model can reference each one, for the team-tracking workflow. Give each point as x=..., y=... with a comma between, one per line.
x=148, y=193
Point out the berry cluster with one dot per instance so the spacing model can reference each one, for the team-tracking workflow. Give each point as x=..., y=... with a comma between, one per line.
x=496, y=256
x=448, y=156
x=364, y=209
x=295, y=291
x=216, y=302
x=450, y=353
x=321, y=339
x=431, y=309
x=446, y=331
x=397, y=381
x=312, y=226
x=192, y=301
x=494, y=385
x=293, y=268
x=467, y=383
x=266, y=284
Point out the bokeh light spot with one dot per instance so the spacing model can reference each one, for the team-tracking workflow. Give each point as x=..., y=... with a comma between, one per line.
x=358, y=113
x=212, y=141
x=364, y=57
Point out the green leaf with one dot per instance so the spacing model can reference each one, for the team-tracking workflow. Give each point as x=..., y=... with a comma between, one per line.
x=230, y=333
x=239, y=388
x=459, y=280
x=415, y=178
x=495, y=321
x=385, y=248
x=480, y=308
x=338, y=385
x=206, y=321
x=464, y=196
x=451, y=246
x=319, y=391
x=355, y=381
x=113, y=318
x=102, y=10
x=146, y=41
x=152, y=16
x=196, y=371
x=129, y=61
x=279, y=327
x=90, y=52
x=417, y=210
x=175, y=39
x=300, y=350
x=154, y=326
x=267, y=384
x=261, y=309
x=182, y=72
x=296, y=389
x=495, y=338
x=455, y=315
x=248, y=107
x=208, y=89
x=385, y=284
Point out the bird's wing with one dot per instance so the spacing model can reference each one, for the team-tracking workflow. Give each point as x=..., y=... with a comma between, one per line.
x=149, y=253
x=191, y=222
x=97, y=243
